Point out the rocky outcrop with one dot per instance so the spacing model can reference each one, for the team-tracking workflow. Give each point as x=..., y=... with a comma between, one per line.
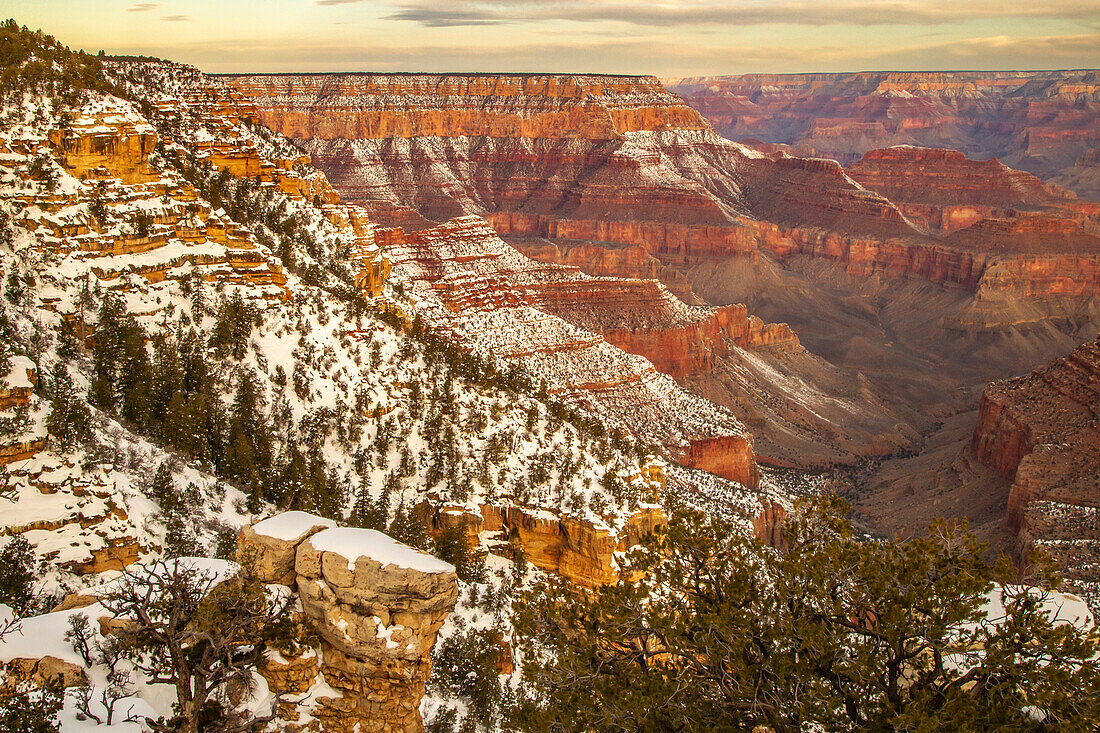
x=487, y=296
x=268, y=548
x=725, y=455
x=658, y=178
x=376, y=605
x=577, y=549
x=987, y=207
x=43, y=672
x=1042, y=431
x=1040, y=121
x=111, y=141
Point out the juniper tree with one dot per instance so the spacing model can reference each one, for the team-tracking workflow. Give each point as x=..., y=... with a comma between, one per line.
x=17, y=575
x=708, y=629
x=201, y=634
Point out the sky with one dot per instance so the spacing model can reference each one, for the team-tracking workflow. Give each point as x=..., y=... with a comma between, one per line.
x=668, y=38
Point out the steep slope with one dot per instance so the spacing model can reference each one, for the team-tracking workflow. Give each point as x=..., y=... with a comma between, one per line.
x=1042, y=432
x=950, y=194
x=1023, y=468
x=466, y=280
x=633, y=170
x=553, y=155
x=247, y=311
x=1043, y=122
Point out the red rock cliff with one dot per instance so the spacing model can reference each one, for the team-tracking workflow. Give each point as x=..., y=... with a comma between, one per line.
x=1042, y=431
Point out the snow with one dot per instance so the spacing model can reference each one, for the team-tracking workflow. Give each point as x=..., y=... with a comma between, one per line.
x=129, y=707
x=353, y=543
x=44, y=636
x=290, y=526
x=17, y=378
x=1060, y=608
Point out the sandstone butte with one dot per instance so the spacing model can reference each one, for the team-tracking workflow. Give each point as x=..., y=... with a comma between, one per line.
x=1042, y=432
x=636, y=167
x=1044, y=122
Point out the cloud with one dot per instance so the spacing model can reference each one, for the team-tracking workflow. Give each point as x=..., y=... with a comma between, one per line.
x=142, y=7
x=646, y=55
x=176, y=18
x=731, y=12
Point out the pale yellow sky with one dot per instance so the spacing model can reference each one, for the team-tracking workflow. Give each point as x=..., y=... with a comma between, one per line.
x=666, y=38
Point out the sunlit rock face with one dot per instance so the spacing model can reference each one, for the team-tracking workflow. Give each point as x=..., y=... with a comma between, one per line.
x=376, y=605
x=614, y=159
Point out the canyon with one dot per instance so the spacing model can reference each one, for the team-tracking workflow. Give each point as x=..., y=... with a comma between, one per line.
x=1041, y=432
x=516, y=320
x=837, y=309
x=637, y=185
x=1042, y=122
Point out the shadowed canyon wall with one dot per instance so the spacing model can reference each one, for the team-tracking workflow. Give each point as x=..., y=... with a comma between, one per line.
x=1043, y=122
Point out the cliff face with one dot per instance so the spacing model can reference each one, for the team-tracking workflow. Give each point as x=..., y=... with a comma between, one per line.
x=621, y=162
x=617, y=157
x=1042, y=431
x=378, y=106
x=619, y=178
x=551, y=318
x=1044, y=122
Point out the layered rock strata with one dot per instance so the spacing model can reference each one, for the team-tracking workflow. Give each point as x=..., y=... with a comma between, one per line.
x=488, y=296
x=693, y=196
x=1042, y=432
x=576, y=549
x=630, y=163
x=1043, y=122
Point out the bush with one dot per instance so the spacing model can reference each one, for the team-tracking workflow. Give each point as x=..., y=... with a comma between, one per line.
x=17, y=575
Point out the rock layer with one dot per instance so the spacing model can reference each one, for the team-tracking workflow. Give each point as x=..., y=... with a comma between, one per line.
x=377, y=606
x=1042, y=432
x=1044, y=122
x=549, y=318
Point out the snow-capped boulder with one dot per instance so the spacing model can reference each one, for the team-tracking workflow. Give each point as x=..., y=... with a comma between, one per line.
x=270, y=545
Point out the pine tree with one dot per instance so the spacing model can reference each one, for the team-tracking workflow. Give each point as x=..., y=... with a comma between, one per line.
x=17, y=575
x=405, y=528
x=70, y=421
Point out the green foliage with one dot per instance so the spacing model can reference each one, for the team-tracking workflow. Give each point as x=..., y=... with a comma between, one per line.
x=465, y=666
x=70, y=420
x=17, y=575
x=451, y=546
x=233, y=326
x=123, y=373
x=28, y=709
x=834, y=633
x=409, y=529
x=31, y=61
x=250, y=443
x=202, y=635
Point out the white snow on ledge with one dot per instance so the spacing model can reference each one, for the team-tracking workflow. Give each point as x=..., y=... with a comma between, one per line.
x=290, y=526
x=353, y=543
